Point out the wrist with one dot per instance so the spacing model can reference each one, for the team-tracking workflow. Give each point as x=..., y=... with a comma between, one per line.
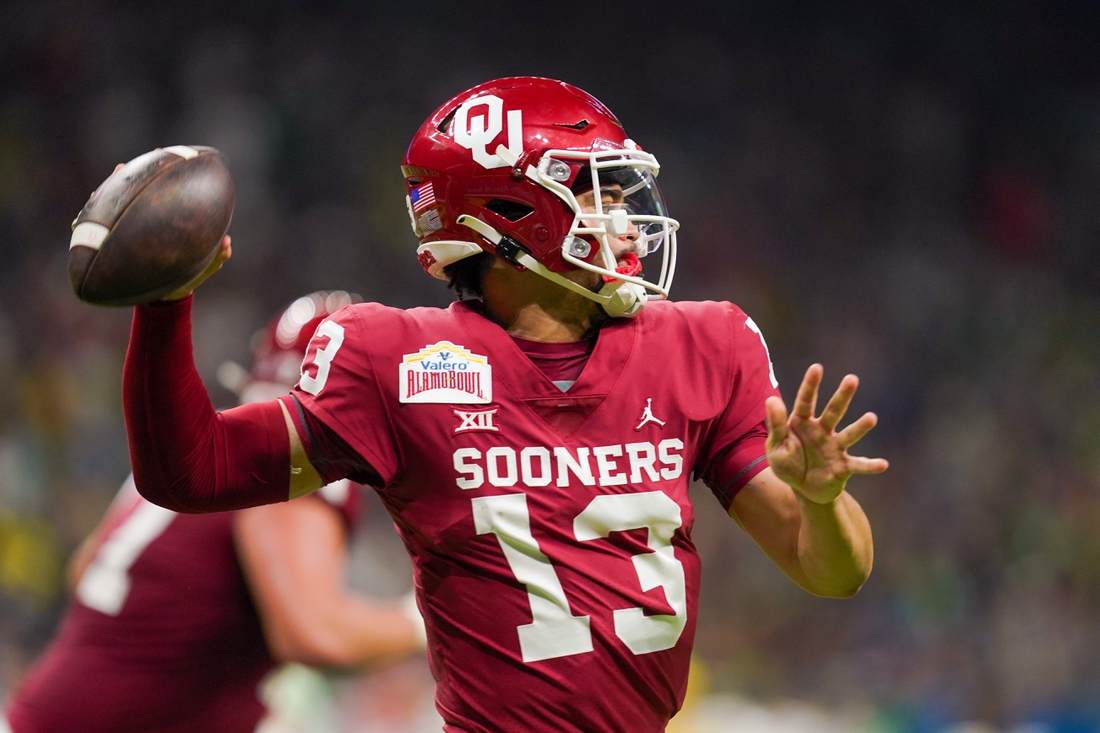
x=818, y=499
x=166, y=305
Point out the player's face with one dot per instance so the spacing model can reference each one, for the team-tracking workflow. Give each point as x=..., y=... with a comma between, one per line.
x=611, y=198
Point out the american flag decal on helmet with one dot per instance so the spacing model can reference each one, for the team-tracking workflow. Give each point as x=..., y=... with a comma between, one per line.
x=422, y=197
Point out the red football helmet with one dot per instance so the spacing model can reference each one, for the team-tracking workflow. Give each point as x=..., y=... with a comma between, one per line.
x=499, y=169
x=278, y=349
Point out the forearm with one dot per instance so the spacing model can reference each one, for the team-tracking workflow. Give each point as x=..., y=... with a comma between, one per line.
x=351, y=631
x=835, y=549
x=185, y=456
x=824, y=548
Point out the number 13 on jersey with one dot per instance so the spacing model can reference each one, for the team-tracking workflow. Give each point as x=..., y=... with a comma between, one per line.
x=554, y=631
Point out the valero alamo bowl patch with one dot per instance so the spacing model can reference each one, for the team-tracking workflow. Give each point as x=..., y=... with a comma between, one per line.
x=445, y=373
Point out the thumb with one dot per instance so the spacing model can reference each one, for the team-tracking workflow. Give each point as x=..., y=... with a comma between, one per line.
x=775, y=417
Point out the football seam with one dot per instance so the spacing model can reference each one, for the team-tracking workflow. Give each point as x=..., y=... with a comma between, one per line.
x=122, y=212
x=110, y=229
x=144, y=186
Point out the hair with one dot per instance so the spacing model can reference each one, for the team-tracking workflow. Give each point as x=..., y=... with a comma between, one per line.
x=466, y=275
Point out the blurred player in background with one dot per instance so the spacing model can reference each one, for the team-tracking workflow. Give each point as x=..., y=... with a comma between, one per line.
x=176, y=619
x=533, y=442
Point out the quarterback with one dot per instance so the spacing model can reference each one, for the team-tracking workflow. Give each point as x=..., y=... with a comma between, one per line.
x=534, y=442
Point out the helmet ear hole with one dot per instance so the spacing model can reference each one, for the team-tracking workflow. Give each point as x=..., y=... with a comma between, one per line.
x=513, y=211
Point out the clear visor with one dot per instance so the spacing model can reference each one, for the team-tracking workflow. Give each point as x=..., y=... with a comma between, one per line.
x=618, y=207
x=629, y=209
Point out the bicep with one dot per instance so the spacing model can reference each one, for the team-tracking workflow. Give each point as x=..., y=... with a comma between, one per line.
x=767, y=509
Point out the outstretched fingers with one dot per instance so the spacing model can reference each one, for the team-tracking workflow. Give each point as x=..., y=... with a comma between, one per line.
x=854, y=433
x=859, y=464
x=805, y=402
x=775, y=416
x=838, y=404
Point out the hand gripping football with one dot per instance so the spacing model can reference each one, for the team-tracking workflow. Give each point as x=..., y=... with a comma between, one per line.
x=152, y=226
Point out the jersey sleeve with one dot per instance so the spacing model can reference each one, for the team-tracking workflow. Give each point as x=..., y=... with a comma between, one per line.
x=735, y=452
x=339, y=388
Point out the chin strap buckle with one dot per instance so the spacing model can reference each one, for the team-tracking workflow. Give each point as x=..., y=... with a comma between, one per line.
x=510, y=251
x=623, y=299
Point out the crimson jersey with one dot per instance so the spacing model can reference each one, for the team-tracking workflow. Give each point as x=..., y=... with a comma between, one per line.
x=161, y=635
x=550, y=531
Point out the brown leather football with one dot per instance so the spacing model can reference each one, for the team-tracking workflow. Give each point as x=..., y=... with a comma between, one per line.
x=152, y=226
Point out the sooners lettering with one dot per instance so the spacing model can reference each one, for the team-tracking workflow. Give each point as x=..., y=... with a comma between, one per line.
x=468, y=382
x=608, y=465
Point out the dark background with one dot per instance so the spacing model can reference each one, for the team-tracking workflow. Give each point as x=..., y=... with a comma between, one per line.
x=910, y=194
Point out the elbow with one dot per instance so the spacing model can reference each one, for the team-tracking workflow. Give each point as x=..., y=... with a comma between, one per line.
x=165, y=495
x=157, y=493
x=840, y=576
x=843, y=592
x=842, y=588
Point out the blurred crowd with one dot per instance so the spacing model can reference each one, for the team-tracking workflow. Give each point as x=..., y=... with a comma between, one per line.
x=909, y=195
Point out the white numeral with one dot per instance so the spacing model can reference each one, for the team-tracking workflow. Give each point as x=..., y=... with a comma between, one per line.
x=105, y=584
x=323, y=358
x=554, y=630
x=657, y=512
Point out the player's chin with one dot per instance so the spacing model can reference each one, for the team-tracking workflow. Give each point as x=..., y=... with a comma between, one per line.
x=586, y=279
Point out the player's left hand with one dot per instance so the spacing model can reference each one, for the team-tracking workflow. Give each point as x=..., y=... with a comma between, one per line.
x=807, y=452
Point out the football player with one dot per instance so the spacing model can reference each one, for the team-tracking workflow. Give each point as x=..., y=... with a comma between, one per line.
x=534, y=441
x=176, y=618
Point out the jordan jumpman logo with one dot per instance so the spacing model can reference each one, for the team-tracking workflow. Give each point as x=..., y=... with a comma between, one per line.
x=647, y=415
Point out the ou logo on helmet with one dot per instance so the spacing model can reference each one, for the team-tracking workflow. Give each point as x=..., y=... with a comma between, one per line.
x=476, y=131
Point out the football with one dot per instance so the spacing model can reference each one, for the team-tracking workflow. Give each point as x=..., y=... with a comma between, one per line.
x=152, y=226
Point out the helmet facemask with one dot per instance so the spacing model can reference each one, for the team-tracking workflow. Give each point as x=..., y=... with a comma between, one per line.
x=621, y=212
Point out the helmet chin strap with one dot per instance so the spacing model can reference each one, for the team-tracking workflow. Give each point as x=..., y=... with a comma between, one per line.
x=626, y=298
x=617, y=298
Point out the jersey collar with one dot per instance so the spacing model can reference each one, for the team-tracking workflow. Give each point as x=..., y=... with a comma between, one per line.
x=513, y=371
